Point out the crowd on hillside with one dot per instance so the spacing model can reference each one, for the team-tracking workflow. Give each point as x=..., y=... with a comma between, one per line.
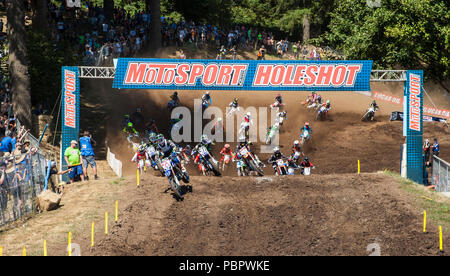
x=94, y=35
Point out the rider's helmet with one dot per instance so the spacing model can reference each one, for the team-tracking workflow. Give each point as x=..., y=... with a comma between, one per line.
x=219, y=119
x=328, y=102
x=141, y=148
x=248, y=114
x=204, y=138
x=296, y=142
x=127, y=116
x=235, y=100
x=276, y=149
x=249, y=143
x=374, y=103
x=278, y=95
x=162, y=143
x=207, y=92
x=138, y=109
x=313, y=93
x=307, y=124
x=130, y=124
x=175, y=93
x=306, y=159
x=227, y=146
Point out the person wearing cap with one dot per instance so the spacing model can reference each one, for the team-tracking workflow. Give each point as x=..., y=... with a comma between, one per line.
x=73, y=158
x=87, y=151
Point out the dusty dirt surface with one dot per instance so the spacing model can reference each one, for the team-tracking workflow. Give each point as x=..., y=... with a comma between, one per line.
x=318, y=215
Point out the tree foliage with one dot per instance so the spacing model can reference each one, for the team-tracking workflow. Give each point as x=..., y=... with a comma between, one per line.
x=406, y=33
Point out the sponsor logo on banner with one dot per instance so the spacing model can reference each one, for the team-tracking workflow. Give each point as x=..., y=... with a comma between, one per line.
x=414, y=102
x=397, y=100
x=70, y=99
x=306, y=75
x=185, y=74
x=242, y=75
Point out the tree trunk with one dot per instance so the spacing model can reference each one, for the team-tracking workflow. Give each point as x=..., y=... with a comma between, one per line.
x=40, y=20
x=108, y=6
x=147, y=5
x=155, y=26
x=306, y=28
x=18, y=62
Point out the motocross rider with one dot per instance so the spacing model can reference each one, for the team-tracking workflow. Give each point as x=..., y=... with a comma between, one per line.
x=151, y=126
x=137, y=117
x=282, y=115
x=306, y=127
x=247, y=145
x=175, y=98
x=141, y=154
x=130, y=131
x=234, y=103
x=306, y=163
x=275, y=156
x=207, y=98
x=279, y=99
x=226, y=150
x=296, y=148
x=374, y=105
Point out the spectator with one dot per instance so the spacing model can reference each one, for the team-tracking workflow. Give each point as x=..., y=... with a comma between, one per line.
x=6, y=145
x=426, y=150
x=87, y=151
x=54, y=171
x=435, y=147
x=73, y=158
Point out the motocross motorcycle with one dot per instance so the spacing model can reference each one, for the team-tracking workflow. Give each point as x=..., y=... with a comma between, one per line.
x=272, y=132
x=305, y=136
x=208, y=162
x=282, y=167
x=370, y=114
x=250, y=161
x=321, y=113
x=172, y=175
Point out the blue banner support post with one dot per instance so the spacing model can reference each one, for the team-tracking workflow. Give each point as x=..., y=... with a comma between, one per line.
x=70, y=111
x=42, y=136
x=413, y=125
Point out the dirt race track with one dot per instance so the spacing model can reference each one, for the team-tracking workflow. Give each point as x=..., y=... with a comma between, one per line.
x=333, y=212
x=321, y=215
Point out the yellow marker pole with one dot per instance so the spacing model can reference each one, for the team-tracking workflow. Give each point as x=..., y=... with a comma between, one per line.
x=117, y=210
x=359, y=167
x=1, y=251
x=424, y=221
x=92, y=235
x=440, y=239
x=106, y=223
x=24, y=251
x=138, y=177
x=45, y=248
x=69, y=248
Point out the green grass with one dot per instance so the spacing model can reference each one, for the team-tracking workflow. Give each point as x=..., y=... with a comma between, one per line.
x=436, y=205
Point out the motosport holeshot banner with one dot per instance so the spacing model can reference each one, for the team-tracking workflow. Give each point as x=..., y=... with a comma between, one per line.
x=351, y=75
x=70, y=109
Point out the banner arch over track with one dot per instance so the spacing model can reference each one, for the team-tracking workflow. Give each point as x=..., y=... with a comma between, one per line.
x=231, y=75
